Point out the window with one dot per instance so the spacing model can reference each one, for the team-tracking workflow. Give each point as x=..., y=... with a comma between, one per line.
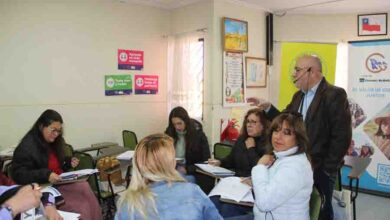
x=186, y=73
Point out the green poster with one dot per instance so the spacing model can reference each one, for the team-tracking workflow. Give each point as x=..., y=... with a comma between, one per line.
x=118, y=84
x=290, y=52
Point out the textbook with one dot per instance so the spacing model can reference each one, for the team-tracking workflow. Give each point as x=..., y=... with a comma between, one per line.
x=231, y=188
x=217, y=171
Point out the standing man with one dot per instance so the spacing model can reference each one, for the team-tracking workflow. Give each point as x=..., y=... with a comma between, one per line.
x=325, y=110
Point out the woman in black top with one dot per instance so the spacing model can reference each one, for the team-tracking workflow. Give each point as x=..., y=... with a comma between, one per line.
x=249, y=147
x=190, y=141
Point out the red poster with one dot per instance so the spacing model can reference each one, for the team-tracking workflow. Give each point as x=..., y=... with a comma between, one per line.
x=130, y=59
x=146, y=84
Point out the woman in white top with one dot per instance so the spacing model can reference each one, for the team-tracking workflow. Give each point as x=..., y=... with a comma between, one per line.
x=283, y=182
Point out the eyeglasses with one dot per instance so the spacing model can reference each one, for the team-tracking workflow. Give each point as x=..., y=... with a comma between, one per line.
x=55, y=131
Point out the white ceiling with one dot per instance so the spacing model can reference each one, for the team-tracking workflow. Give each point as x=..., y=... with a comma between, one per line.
x=291, y=6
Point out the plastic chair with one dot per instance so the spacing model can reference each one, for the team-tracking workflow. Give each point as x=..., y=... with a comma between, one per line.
x=317, y=201
x=68, y=150
x=358, y=165
x=107, y=197
x=129, y=139
x=221, y=150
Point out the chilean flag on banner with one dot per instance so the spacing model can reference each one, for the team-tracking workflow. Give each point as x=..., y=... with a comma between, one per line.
x=370, y=27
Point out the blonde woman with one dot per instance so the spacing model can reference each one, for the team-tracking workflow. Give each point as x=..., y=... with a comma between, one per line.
x=157, y=191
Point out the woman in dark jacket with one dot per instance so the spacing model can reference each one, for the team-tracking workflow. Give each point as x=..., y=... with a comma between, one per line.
x=190, y=141
x=246, y=152
x=250, y=145
x=39, y=158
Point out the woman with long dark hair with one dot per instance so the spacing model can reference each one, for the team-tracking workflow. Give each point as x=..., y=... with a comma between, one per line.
x=39, y=158
x=189, y=139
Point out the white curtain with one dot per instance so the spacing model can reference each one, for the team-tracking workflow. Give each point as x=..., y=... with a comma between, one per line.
x=185, y=73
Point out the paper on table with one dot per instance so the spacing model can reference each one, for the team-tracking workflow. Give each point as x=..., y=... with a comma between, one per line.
x=69, y=215
x=232, y=188
x=80, y=172
x=214, y=169
x=128, y=155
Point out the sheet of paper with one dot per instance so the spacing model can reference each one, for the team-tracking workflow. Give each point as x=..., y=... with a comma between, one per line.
x=81, y=172
x=128, y=155
x=232, y=188
x=214, y=169
x=69, y=215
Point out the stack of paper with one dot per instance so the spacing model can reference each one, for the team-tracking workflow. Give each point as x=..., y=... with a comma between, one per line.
x=218, y=171
x=232, y=188
x=128, y=155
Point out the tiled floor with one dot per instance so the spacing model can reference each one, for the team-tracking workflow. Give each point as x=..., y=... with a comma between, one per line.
x=369, y=207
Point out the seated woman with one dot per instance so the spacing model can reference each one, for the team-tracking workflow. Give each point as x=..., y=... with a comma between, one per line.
x=190, y=141
x=39, y=158
x=283, y=182
x=248, y=149
x=157, y=190
x=250, y=145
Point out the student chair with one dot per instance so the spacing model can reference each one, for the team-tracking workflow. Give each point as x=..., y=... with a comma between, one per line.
x=106, y=198
x=317, y=201
x=358, y=165
x=129, y=139
x=221, y=150
x=68, y=150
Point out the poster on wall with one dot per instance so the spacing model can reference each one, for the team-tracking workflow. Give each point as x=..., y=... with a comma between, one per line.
x=118, y=85
x=146, y=84
x=290, y=52
x=130, y=59
x=233, y=80
x=369, y=93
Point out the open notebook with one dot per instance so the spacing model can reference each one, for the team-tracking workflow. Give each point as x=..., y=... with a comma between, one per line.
x=233, y=189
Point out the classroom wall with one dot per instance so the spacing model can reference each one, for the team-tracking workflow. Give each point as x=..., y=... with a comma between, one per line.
x=191, y=18
x=54, y=54
x=327, y=28
x=255, y=17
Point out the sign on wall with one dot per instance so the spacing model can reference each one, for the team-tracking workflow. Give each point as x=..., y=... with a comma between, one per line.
x=118, y=85
x=233, y=80
x=130, y=59
x=146, y=84
x=369, y=93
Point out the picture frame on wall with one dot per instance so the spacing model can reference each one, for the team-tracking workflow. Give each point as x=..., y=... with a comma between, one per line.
x=256, y=72
x=234, y=93
x=235, y=35
x=372, y=24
